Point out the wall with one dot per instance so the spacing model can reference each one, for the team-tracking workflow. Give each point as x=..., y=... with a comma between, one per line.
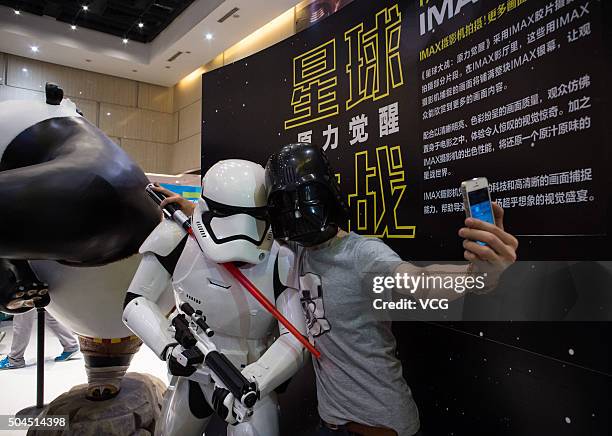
x=159, y=127
x=138, y=116
x=188, y=92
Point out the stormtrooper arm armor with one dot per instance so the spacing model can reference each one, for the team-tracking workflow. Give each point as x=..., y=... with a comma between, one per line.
x=150, y=293
x=286, y=355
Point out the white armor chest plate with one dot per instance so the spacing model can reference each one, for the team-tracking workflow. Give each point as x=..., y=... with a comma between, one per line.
x=229, y=308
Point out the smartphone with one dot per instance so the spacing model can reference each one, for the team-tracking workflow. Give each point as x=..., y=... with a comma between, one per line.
x=477, y=200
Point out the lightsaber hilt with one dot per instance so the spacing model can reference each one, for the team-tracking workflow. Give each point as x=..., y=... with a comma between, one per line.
x=171, y=210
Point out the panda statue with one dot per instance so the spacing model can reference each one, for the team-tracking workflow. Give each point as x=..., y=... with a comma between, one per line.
x=73, y=214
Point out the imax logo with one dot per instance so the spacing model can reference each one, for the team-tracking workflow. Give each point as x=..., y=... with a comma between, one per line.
x=435, y=16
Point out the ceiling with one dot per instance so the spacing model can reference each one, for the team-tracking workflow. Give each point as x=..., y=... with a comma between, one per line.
x=168, y=47
x=116, y=17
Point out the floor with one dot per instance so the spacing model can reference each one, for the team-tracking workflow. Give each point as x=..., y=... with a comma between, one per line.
x=18, y=387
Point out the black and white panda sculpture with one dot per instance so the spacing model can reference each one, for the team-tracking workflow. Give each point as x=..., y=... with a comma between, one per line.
x=73, y=213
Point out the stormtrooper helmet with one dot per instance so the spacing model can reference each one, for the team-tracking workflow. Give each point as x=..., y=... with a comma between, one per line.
x=231, y=220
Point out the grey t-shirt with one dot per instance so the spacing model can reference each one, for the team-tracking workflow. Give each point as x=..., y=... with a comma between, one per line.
x=359, y=378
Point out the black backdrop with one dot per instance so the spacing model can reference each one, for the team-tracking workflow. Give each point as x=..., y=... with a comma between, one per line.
x=468, y=378
x=247, y=113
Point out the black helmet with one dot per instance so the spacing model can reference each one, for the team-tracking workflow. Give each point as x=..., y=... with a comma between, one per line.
x=304, y=200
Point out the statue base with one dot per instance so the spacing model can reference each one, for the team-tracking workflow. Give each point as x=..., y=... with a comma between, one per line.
x=133, y=412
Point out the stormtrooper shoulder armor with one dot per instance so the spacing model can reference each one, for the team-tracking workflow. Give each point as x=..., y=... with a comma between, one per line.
x=163, y=239
x=286, y=271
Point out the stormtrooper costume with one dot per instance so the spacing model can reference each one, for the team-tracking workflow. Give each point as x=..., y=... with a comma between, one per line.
x=231, y=224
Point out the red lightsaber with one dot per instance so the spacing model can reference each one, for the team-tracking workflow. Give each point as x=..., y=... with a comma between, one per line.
x=256, y=293
x=173, y=212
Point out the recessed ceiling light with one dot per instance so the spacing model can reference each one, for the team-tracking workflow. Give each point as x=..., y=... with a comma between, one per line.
x=34, y=48
x=141, y=24
x=17, y=11
x=125, y=40
x=25, y=70
x=108, y=114
x=73, y=27
x=209, y=36
x=85, y=7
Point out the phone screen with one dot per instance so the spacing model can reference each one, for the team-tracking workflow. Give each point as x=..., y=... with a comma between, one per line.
x=480, y=206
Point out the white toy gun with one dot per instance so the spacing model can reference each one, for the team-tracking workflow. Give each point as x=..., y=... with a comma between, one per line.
x=197, y=350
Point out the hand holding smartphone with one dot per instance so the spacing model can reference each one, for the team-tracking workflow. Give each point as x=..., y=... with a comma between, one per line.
x=499, y=251
x=477, y=200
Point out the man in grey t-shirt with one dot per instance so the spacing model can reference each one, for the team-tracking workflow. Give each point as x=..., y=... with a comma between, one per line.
x=360, y=387
x=359, y=378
